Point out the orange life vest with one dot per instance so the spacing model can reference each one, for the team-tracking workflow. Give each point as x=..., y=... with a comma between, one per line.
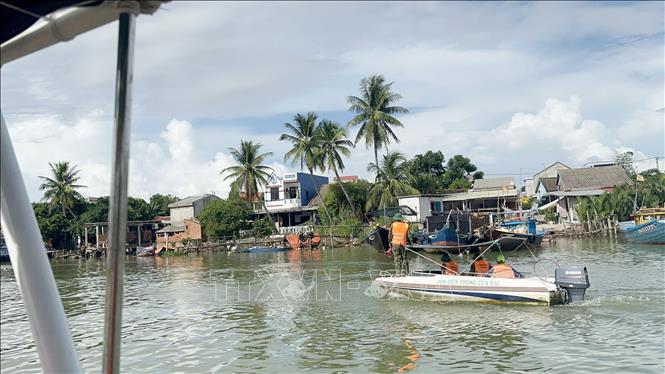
x=480, y=267
x=400, y=231
x=503, y=271
x=450, y=268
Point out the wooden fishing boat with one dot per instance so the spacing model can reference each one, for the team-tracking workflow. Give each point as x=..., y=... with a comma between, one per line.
x=303, y=240
x=145, y=251
x=648, y=227
x=379, y=240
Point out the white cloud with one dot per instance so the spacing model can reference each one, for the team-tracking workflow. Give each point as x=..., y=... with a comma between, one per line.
x=167, y=166
x=464, y=69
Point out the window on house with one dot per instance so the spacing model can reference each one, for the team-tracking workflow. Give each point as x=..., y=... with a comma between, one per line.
x=274, y=193
x=435, y=206
x=292, y=192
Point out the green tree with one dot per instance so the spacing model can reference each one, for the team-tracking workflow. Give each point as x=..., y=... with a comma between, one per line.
x=96, y=212
x=391, y=181
x=333, y=144
x=426, y=171
x=303, y=135
x=226, y=217
x=337, y=201
x=375, y=113
x=159, y=204
x=460, y=184
x=60, y=190
x=459, y=167
x=138, y=209
x=625, y=160
x=250, y=173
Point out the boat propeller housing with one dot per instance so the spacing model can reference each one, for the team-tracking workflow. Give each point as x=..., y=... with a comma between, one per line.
x=574, y=280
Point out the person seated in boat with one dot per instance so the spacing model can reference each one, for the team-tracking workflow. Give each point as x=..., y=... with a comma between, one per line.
x=503, y=270
x=480, y=266
x=448, y=266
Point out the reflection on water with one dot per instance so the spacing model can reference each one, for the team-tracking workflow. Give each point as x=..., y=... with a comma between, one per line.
x=317, y=311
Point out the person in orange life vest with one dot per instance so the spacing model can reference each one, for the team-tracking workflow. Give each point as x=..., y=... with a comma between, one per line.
x=503, y=270
x=448, y=266
x=399, y=237
x=480, y=266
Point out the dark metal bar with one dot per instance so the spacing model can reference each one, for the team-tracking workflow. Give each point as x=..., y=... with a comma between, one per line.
x=117, y=233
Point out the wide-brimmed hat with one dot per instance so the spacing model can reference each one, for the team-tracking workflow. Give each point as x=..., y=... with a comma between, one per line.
x=398, y=216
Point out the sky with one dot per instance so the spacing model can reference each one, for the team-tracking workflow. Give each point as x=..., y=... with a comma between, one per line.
x=515, y=86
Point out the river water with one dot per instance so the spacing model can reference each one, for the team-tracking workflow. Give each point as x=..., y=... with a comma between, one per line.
x=317, y=311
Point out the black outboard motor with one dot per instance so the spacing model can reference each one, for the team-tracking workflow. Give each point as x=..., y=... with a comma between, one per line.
x=575, y=280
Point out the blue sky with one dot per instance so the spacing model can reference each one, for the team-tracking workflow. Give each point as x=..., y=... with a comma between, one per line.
x=514, y=86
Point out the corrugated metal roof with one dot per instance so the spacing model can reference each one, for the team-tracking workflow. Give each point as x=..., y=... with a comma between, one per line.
x=188, y=201
x=549, y=183
x=592, y=178
x=171, y=229
x=493, y=183
x=470, y=195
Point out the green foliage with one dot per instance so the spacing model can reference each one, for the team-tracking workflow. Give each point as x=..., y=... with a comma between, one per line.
x=97, y=211
x=60, y=190
x=426, y=171
x=460, y=184
x=159, y=204
x=430, y=174
x=375, y=110
x=527, y=202
x=225, y=217
x=391, y=181
x=138, y=210
x=357, y=191
x=459, y=167
x=624, y=200
x=54, y=226
x=332, y=145
x=250, y=173
x=262, y=227
x=625, y=160
x=550, y=215
x=345, y=224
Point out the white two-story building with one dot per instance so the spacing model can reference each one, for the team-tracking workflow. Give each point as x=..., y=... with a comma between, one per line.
x=289, y=197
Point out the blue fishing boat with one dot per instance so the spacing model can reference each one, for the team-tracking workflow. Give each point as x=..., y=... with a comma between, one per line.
x=515, y=234
x=257, y=249
x=648, y=228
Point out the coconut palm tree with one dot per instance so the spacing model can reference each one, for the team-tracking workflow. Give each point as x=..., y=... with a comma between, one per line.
x=61, y=189
x=250, y=174
x=391, y=181
x=375, y=112
x=333, y=145
x=303, y=135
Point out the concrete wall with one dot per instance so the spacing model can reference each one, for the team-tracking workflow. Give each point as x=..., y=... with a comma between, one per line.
x=307, y=189
x=178, y=215
x=202, y=203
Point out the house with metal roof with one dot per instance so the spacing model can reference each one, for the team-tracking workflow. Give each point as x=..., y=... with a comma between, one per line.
x=292, y=198
x=184, y=224
x=487, y=195
x=573, y=184
x=531, y=184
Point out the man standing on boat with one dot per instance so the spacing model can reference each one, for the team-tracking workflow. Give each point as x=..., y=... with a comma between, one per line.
x=399, y=237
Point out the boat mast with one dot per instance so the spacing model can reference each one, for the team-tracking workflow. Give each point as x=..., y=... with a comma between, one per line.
x=118, y=202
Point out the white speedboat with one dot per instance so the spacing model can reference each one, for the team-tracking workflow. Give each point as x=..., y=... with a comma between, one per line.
x=569, y=284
